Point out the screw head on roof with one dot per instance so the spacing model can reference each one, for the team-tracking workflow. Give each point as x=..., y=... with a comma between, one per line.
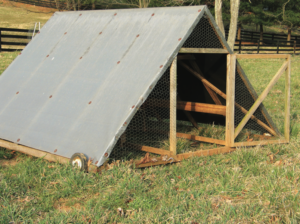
x=47, y=55
x=65, y=33
x=150, y=87
x=55, y=150
x=137, y=35
x=100, y=33
x=106, y=154
x=153, y=14
x=161, y=66
x=20, y=53
x=118, y=62
x=80, y=14
x=124, y=123
x=18, y=140
x=39, y=32
x=115, y=14
x=80, y=57
x=199, y=10
x=96, y=162
x=133, y=106
x=90, y=102
x=179, y=39
x=50, y=96
x=17, y=92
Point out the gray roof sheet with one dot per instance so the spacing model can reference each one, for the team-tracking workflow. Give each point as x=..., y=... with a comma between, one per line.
x=79, y=78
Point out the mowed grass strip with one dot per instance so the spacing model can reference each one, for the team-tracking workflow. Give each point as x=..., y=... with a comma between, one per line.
x=259, y=184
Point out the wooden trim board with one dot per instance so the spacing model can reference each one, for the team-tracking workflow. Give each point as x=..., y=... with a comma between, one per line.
x=208, y=152
x=261, y=56
x=40, y=154
x=204, y=50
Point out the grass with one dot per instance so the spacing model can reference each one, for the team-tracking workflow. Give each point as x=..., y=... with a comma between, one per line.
x=251, y=185
x=22, y=16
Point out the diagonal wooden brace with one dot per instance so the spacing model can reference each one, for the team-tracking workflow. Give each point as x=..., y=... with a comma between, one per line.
x=223, y=95
x=259, y=100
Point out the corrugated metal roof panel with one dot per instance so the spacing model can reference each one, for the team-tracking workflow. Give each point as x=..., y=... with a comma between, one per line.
x=79, y=78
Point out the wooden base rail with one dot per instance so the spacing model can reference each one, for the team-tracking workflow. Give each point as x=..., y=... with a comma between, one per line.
x=200, y=138
x=40, y=154
x=189, y=106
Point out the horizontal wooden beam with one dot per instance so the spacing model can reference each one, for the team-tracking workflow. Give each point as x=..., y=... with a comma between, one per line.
x=204, y=50
x=208, y=152
x=266, y=142
x=260, y=56
x=189, y=106
x=185, y=57
x=200, y=138
x=149, y=149
x=38, y=153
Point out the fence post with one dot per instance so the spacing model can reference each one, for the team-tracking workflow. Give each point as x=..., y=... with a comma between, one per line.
x=240, y=45
x=258, y=43
x=0, y=42
x=294, y=47
x=277, y=46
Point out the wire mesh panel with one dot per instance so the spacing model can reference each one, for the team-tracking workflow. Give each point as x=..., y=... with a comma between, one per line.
x=149, y=126
x=261, y=125
x=203, y=36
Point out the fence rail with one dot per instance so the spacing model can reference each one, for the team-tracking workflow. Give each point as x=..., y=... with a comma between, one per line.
x=14, y=37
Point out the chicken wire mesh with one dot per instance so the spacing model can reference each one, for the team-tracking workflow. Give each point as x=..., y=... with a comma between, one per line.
x=149, y=126
x=253, y=131
x=203, y=36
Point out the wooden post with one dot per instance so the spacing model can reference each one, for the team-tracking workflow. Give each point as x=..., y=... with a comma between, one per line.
x=277, y=46
x=240, y=46
x=0, y=42
x=239, y=32
x=261, y=32
x=287, y=101
x=173, y=104
x=289, y=36
x=230, y=99
x=258, y=42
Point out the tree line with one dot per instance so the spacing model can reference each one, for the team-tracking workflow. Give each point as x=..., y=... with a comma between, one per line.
x=232, y=13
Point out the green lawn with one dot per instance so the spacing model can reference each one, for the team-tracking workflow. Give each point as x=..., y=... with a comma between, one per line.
x=22, y=16
x=253, y=185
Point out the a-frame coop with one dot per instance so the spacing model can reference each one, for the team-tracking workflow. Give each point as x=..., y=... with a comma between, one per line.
x=118, y=83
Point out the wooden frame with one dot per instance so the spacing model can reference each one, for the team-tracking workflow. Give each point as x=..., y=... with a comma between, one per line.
x=228, y=145
x=285, y=68
x=231, y=131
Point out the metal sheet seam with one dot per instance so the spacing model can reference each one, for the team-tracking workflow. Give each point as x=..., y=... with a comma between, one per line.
x=144, y=96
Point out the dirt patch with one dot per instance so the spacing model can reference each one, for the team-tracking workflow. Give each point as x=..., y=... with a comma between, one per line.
x=11, y=162
x=65, y=205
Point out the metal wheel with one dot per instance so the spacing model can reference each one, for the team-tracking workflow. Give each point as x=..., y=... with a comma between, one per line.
x=79, y=161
